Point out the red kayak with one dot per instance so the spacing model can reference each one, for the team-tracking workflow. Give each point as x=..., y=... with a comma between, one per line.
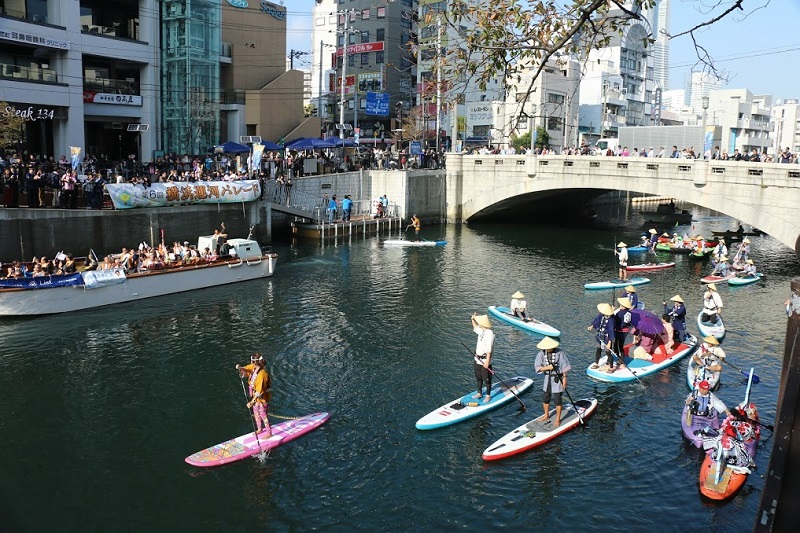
x=716, y=279
x=650, y=266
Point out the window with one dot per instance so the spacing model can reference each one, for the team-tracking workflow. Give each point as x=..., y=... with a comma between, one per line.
x=340, y=40
x=480, y=131
x=380, y=13
x=379, y=58
x=365, y=14
x=351, y=60
x=553, y=123
x=365, y=59
x=351, y=38
x=380, y=34
x=320, y=21
x=364, y=36
x=553, y=98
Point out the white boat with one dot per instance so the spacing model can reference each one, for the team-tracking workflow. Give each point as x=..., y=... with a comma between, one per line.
x=105, y=287
x=403, y=242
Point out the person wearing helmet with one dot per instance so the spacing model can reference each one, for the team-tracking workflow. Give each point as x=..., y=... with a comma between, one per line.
x=702, y=401
x=260, y=391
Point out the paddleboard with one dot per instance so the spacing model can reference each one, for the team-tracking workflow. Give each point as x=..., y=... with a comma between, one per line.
x=716, y=279
x=468, y=406
x=637, y=249
x=613, y=284
x=716, y=330
x=650, y=266
x=247, y=445
x=641, y=367
x=402, y=242
x=745, y=281
x=537, y=432
x=504, y=314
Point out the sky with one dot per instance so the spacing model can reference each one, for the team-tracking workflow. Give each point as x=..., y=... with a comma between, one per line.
x=759, y=48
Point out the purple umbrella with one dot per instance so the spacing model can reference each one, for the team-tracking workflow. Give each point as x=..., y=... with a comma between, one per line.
x=646, y=322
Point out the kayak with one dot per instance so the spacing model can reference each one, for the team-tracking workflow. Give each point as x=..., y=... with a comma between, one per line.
x=699, y=254
x=650, y=266
x=613, y=284
x=247, y=445
x=745, y=281
x=716, y=329
x=537, y=432
x=403, y=242
x=639, y=368
x=504, y=314
x=468, y=406
x=716, y=279
x=695, y=427
x=695, y=374
x=666, y=247
x=731, y=479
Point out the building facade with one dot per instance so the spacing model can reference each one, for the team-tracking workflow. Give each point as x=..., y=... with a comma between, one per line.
x=786, y=119
x=83, y=74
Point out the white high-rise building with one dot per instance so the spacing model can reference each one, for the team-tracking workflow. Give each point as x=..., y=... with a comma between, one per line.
x=700, y=85
x=786, y=118
x=658, y=17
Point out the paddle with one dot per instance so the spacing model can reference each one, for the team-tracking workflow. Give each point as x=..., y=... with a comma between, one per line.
x=252, y=419
x=756, y=379
x=559, y=376
x=522, y=405
x=622, y=361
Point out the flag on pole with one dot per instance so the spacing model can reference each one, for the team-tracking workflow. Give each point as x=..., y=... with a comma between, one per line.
x=258, y=151
x=75, y=152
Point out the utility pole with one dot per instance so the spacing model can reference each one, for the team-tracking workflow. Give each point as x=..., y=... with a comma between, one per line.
x=346, y=14
x=319, y=95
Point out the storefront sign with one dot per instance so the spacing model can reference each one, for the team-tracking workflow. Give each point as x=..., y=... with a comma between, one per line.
x=91, y=97
x=362, y=48
x=238, y=3
x=271, y=9
x=480, y=113
x=31, y=113
x=128, y=195
x=32, y=38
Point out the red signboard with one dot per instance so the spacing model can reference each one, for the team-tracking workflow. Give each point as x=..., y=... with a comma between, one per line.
x=362, y=48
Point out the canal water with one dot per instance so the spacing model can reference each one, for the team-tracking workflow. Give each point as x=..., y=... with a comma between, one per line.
x=100, y=408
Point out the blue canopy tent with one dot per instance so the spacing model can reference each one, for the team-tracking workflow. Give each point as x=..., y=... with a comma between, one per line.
x=342, y=142
x=271, y=146
x=231, y=147
x=308, y=143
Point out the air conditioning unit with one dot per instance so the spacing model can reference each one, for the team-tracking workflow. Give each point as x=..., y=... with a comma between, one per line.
x=245, y=139
x=138, y=127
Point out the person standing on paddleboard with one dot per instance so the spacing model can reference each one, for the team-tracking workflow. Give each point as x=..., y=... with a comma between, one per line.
x=622, y=322
x=554, y=365
x=416, y=224
x=483, y=354
x=623, y=260
x=678, y=316
x=604, y=324
x=519, y=307
x=260, y=390
x=712, y=304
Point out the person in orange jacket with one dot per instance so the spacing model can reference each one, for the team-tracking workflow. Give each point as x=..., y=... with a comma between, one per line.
x=260, y=393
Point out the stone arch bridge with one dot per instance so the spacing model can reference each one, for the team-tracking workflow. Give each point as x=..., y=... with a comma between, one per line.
x=764, y=195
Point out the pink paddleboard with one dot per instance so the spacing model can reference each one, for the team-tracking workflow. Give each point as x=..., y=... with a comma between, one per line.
x=247, y=445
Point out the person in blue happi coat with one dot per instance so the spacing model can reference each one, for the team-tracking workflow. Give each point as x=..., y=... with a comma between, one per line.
x=678, y=316
x=604, y=325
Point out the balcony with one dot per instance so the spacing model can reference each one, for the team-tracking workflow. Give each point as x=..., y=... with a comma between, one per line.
x=111, y=86
x=31, y=73
x=126, y=29
x=22, y=15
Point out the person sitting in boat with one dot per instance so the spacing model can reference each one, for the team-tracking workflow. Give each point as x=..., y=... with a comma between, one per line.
x=69, y=266
x=519, y=307
x=703, y=402
x=623, y=260
x=720, y=250
x=721, y=267
x=749, y=270
x=677, y=315
x=604, y=325
x=709, y=360
x=645, y=241
x=677, y=241
x=37, y=271
x=629, y=292
x=648, y=341
x=731, y=442
x=712, y=304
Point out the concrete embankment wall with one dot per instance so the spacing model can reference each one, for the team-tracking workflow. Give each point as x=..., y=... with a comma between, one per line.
x=25, y=233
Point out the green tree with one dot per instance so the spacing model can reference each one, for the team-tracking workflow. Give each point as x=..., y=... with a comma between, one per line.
x=10, y=127
x=542, y=138
x=523, y=141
